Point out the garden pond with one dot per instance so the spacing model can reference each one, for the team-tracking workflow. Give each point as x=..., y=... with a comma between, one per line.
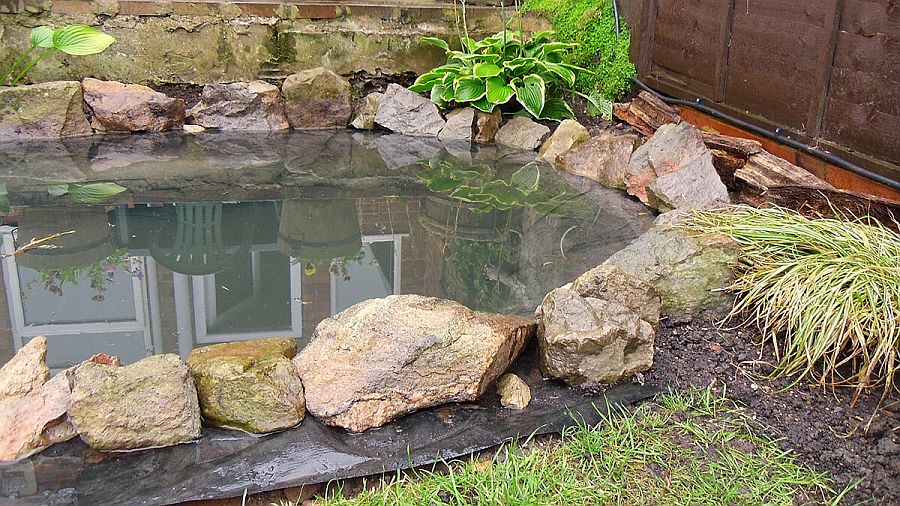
x=222, y=237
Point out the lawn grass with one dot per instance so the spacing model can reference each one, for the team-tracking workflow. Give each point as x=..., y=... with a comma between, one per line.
x=683, y=448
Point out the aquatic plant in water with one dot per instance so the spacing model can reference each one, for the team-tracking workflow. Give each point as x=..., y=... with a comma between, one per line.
x=825, y=292
x=77, y=40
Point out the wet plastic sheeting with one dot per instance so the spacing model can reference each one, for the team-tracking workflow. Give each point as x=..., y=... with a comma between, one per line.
x=225, y=463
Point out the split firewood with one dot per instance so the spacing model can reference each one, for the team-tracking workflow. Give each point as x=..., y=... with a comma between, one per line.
x=646, y=113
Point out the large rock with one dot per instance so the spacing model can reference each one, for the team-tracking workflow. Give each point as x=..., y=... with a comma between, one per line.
x=459, y=125
x=603, y=159
x=672, y=147
x=567, y=135
x=36, y=421
x=695, y=186
x=364, y=117
x=117, y=107
x=150, y=403
x=26, y=371
x=599, y=329
x=407, y=113
x=46, y=110
x=249, y=385
x=521, y=132
x=317, y=99
x=253, y=106
x=487, y=125
x=689, y=271
x=383, y=358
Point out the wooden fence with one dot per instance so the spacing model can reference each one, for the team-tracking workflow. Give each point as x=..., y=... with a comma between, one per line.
x=825, y=71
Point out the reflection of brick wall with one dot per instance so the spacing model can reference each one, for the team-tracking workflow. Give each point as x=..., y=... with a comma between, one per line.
x=166, y=288
x=7, y=349
x=316, y=298
x=385, y=215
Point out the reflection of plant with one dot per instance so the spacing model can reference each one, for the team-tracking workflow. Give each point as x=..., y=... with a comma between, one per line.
x=338, y=266
x=78, y=40
x=98, y=273
x=89, y=193
x=490, y=72
x=487, y=192
x=472, y=262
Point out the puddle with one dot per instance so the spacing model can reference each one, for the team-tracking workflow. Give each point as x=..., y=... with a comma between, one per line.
x=227, y=237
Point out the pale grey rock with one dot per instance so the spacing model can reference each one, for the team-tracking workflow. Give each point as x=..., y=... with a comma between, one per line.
x=672, y=147
x=459, y=125
x=408, y=113
x=252, y=106
x=695, y=186
x=522, y=133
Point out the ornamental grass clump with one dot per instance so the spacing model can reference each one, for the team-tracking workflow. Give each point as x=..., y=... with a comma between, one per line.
x=825, y=292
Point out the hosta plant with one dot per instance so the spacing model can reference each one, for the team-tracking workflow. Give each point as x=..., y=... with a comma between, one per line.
x=508, y=67
x=77, y=40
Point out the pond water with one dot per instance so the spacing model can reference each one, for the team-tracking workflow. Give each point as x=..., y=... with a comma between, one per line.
x=224, y=237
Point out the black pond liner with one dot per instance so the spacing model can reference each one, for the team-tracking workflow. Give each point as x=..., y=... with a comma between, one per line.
x=225, y=463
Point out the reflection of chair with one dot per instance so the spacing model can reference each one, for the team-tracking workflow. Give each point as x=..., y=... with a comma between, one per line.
x=198, y=247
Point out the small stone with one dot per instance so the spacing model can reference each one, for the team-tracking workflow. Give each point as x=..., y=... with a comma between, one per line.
x=249, y=385
x=364, y=117
x=105, y=7
x=193, y=129
x=317, y=99
x=459, y=125
x=487, y=125
x=253, y=106
x=150, y=403
x=696, y=186
x=42, y=111
x=405, y=112
x=567, y=135
x=603, y=159
x=383, y=358
x=117, y=107
x=514, y=393
x=26, y=371
x=522, y=133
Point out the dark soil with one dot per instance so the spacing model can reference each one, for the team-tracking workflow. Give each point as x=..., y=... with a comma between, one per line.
x=190, y=93
x=818, y=425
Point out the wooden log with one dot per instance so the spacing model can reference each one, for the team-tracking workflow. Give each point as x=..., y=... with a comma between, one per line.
x=764, y=171
x=827, y=203
x=646, y=113
x=736, y=146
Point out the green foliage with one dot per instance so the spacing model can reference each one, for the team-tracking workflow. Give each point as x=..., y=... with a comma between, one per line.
x=826, y=292
x=509, y=65
x=76, y=40
x=487, y=192
x=98, y=273
x=5, y=207
x=691, y=448
x=89, y=193
x=591, y=26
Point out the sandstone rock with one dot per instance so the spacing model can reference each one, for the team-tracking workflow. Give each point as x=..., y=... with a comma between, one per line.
x=317, y=99
x=603, y=159
x=695, y=186
x=459, y=125
x=672, y=147
x=46, y=110
x=487, y=125
x=567, y=135
x=150, y=403
x=118, y=107
x=689, y=271
x=249, y=385
x=514, y=393
x=407, y=113
x=598, y=330
x=364, y=117
x=26, y=371
x=520, y=132
x=32, y=423
x=383, y=358
x=193, y=129
x=253, y=106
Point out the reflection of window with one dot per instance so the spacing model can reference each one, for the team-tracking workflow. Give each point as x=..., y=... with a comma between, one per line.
x=375, y=273
x=78, y=319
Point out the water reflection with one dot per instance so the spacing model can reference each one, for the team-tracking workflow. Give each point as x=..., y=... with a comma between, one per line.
x=137, y=279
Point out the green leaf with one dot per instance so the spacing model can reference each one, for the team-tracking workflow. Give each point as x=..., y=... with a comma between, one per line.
x=557, y=109
x=436, y=95
x=58, y=189
x=434, y=41
x=81, y=40
x=527, y=178
x=42, y=36
x=598, y=105
x=5, y=207
x=468, y=89
x=425, y=81
x=484, y=105
x=563, y=72
x=532, y=94
x=486, y=70
x=498, y=92
x=90, y=193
